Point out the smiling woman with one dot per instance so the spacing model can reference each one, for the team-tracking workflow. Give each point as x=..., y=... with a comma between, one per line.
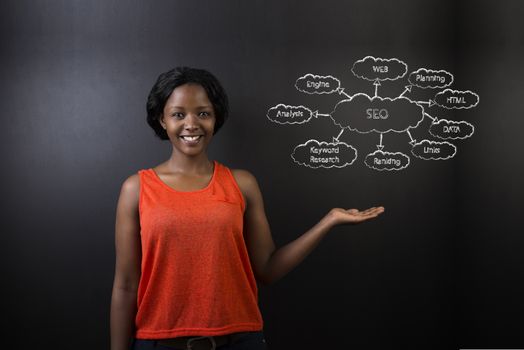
x=166, y=84
x=192, y=238
x=189, y=119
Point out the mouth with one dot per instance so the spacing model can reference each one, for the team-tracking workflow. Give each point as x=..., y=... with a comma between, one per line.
x=191, y=139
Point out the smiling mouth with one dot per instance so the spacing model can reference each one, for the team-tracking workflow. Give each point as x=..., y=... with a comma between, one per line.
x=191, y=138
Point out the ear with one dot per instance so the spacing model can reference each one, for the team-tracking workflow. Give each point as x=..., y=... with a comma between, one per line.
x=162, y=122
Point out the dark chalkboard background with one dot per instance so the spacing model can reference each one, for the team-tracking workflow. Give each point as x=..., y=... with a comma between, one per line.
x=441, y=269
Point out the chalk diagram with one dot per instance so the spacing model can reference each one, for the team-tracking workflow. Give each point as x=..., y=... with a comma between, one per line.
x=365, y=114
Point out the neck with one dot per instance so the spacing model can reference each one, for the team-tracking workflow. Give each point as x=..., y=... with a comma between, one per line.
x=184, y=164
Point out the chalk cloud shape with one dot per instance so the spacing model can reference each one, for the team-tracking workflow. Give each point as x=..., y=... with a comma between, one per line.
x=302, y=154
x=443, y=78
x=445, y=99
x=352, y=113
x=317, y=84
x=446, y=150
x=365, y=68
x=380, y=160
x=451, y=130
x=285, y=114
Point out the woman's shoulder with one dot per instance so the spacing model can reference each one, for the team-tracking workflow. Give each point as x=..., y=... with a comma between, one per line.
x=245, y=180
x=131, y=187
x=243, y=175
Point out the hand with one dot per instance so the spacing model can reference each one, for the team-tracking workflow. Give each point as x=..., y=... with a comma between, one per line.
x=339, y=216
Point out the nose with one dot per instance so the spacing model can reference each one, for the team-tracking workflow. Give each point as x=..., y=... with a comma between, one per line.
x=191, y=122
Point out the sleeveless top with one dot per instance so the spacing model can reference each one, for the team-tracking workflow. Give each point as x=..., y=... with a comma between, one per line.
x=196, y=274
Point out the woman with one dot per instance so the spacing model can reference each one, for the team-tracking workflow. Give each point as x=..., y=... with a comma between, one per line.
x=192, y=236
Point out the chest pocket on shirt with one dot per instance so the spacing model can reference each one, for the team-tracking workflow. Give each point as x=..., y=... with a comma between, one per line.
x=228, y=203
x=226, y=199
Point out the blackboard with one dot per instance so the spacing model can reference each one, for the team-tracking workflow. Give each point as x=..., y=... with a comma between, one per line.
x=441, y=269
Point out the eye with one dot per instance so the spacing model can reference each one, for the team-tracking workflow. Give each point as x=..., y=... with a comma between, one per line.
x=178, y=115
x=204, y=114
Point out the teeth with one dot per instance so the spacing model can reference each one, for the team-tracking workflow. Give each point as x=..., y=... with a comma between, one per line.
x=190, y=138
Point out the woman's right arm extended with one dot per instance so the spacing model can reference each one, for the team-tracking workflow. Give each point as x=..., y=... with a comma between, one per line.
x=127, y=267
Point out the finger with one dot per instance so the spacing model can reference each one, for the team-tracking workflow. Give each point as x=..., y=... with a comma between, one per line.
x=370, y=210
x=375, y=210
x=373, y=215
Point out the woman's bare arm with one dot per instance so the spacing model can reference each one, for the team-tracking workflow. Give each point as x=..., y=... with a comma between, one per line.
x=127, y=267
x=270, y=264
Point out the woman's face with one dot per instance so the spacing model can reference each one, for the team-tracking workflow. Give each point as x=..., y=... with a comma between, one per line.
x=189, y=119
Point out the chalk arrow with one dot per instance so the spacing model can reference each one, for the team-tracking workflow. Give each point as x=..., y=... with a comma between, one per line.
x=433, y=119
x=316, y=114
x=412, y=143
x=335, y=139
x=429, y=103
x=380, y=146
x=407, y=89
x=341, y=92
x=377, y=84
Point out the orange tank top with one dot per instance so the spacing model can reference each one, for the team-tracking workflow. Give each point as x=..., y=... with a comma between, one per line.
x=196, y=274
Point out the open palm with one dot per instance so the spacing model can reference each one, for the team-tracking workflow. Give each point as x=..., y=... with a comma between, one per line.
x=354, y=216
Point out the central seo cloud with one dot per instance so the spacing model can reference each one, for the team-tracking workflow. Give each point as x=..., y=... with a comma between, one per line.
x=364, y=114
